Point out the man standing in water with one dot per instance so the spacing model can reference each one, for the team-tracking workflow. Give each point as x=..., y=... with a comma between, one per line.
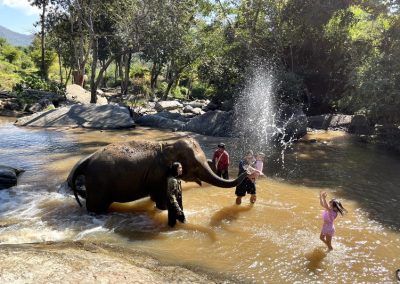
x=221, y=161
x=174, y=192
x=247, y=185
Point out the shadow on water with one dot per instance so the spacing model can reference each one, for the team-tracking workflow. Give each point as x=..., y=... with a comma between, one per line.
x=314, y=259
x=352, y=171
x=135, y=221
x=228, y=213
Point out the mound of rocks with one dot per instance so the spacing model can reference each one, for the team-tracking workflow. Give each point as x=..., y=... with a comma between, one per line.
x=87, y=116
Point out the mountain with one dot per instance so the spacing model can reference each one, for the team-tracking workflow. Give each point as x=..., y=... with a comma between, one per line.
x=14, y=38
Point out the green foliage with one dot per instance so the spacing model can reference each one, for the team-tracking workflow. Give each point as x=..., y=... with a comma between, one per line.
x=180, y=92
x=201, y=92
x=49, y=58
x=33, y=82
x=10, y=53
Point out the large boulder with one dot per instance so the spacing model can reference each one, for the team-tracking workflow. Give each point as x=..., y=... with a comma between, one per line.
x=88, y=116
x=295, y=126
x=77, y=94
x=212, y=123
x=159, y=121
x=8, y=176
x=330, y=121
x=168, y=105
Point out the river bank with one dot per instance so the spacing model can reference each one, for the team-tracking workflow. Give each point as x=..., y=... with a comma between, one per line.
x=87, y=262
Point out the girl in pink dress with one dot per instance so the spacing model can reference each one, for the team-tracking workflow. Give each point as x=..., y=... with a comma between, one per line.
x=329, y=215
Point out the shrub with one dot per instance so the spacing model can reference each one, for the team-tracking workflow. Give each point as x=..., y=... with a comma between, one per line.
x=33, y=82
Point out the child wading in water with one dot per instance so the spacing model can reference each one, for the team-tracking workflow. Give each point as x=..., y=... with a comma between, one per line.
x=329, y=215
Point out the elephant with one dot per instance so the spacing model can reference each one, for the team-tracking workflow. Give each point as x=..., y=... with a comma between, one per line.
x=127, y=171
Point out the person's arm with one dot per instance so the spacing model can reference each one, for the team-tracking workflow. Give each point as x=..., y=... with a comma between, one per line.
x=172, y=187
x=214, y=157
x=322, y=200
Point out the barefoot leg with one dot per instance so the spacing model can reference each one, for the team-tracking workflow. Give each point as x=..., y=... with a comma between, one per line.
x=329, y=242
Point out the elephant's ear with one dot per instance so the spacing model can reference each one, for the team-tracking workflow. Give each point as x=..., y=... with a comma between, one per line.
x=168, y=154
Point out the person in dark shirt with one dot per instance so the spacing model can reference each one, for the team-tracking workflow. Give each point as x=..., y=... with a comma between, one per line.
x=247, y=185
x=174, y=193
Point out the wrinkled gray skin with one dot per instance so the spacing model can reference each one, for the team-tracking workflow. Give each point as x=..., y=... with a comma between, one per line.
x=124, y=172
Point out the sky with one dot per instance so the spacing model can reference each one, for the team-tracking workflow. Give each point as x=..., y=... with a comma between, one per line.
x=18, y=16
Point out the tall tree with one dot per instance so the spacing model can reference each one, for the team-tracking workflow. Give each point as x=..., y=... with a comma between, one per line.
x=42, y=5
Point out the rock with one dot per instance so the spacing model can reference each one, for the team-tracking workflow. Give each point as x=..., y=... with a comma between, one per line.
x=330, y=121
x=85, y=262
x=198, y=104
x=77, y=94
x=158, y=121
x=360, y=125
x=88, y=116
x=172, y=115
x=295, y=126
x=100, y=92
x=167, y=105
x=212, y=123
x=197, y=111
x=227, y=105
x=211, y=106
x=188, y=109
x=8, y=176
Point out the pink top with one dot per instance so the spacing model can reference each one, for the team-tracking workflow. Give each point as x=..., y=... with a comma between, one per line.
x=328, y=228
x=329, y=216
x=259, y=165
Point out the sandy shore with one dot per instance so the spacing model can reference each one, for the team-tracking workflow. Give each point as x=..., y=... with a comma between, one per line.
x=79, y=262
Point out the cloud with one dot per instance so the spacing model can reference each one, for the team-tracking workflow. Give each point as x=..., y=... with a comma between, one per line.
x=22, y=5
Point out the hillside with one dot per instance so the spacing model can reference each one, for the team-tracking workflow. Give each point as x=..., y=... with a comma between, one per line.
x=15, y=38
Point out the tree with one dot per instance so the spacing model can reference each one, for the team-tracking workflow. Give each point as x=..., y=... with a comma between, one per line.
x=42, y=5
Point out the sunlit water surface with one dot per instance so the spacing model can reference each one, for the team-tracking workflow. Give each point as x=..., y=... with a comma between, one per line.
x=274, y=241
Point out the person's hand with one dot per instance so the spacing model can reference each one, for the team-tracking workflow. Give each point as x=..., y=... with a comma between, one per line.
x=324, y=194
x=181, y=217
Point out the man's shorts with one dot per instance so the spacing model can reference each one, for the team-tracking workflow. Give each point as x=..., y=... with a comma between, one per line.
x=246, y=186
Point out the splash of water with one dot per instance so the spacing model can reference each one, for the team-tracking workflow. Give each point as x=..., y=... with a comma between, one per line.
x=258, y=117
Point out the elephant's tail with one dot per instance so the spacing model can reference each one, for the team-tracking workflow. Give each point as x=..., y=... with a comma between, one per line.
x=77, y=170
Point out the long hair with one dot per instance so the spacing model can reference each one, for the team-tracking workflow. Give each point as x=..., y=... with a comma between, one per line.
x=338, y=205
x=174, y=169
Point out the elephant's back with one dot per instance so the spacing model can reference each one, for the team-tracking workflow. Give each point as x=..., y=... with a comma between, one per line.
x=126, y=150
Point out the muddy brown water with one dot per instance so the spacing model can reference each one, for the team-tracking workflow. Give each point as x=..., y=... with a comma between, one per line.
x=274, y=241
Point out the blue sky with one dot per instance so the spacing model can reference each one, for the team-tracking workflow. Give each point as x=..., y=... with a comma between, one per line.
x=18, y=16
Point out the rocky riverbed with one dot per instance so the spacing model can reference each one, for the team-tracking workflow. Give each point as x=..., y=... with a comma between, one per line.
x=80, y=262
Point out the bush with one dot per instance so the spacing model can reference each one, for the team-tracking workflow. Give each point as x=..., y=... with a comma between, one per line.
x=33, y=82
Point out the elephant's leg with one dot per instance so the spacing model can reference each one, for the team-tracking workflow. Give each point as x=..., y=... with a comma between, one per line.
x=172, y=216
x=159, y=196
x=97, y=204
x=97, y=200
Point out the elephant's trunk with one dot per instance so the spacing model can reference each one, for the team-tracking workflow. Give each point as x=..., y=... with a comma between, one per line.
x=210, y=177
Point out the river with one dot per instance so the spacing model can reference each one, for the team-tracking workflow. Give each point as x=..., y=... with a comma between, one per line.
x=274, y=241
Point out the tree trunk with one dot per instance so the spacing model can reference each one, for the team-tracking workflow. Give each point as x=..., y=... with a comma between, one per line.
x=99, y=79
x=60, y=64
x=93, y=85
x=170, y=83
x=155, y=71
x=43, y=72
x=127, y=63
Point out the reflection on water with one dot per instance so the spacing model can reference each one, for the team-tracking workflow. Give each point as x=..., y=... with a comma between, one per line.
x=275, y=240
